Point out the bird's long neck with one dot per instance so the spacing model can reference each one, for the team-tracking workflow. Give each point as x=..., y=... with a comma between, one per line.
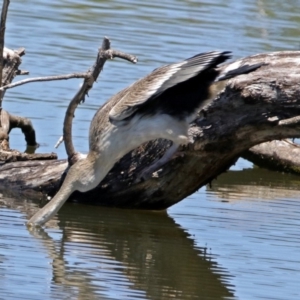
x=83, y=176
x=51, y=208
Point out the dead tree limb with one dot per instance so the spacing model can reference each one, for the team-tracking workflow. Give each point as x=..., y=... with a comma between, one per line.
x=7, y=121
x=12, y=62
x=283, y=156
x=26, y=126
x=254, y=108
x=46, y=78
x=5, y=5
x=9, y=68
x=105, y=52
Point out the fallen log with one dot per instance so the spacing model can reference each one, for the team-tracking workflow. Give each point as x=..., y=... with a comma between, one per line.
x=282, y=156
x=254, y=108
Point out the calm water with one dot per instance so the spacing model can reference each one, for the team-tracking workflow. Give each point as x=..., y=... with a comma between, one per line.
x=238, y=239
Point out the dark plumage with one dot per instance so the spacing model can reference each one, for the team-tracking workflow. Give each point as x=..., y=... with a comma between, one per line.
x=177, y=89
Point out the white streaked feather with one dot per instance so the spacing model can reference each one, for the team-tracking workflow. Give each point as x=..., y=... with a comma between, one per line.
x=159, y=81
x=232, y=66
x=140, y=91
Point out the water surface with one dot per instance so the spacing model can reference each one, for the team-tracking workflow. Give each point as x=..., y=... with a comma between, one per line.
x=238, y=239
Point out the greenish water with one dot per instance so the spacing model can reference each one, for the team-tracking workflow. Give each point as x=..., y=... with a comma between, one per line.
x=238, y=239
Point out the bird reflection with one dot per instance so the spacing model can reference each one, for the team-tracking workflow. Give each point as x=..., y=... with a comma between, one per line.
x=138, y=253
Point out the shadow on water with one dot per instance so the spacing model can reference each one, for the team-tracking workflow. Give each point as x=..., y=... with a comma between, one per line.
x=90, y=252
x=156, y=256
x=105, y=253
x=250, y=220
x=255, y=183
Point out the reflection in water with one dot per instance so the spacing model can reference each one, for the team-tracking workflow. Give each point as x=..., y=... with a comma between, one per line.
x=154, y=254
x=148, y=253
x=255, y=183
x=120, y=254
x=250, y=220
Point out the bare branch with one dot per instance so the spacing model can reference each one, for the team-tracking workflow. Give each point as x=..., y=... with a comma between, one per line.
x=27, y=129
x=2, y=34
x=60, y=140
x=47, y=78
x=8, y=122
x=290, y=121
x=22, y=72
x=110, y=54
x=104, y=53
x=12, y=62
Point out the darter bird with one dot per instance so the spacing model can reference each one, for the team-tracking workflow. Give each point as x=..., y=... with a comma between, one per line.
x=160, y=105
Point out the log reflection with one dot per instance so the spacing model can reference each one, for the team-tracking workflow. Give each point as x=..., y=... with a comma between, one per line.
x=255, y=183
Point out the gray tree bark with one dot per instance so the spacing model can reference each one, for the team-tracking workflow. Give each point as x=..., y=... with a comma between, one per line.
x=282, y=156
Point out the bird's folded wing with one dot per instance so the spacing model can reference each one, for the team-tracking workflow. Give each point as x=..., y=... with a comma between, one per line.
x=162, y=79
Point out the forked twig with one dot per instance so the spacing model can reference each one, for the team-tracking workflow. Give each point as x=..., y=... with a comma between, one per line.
x=104, y=53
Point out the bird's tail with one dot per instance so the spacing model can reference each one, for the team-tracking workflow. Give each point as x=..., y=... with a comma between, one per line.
x=236, y=69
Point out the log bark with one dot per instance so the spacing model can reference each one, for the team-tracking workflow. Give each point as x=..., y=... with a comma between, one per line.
x=8, y=121
x=254, y=108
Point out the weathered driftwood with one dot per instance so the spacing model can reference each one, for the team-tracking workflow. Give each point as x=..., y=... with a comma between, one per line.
x=11, y=65
x=11, y=62
x=9, y=122
x=276, y=155
x=4, y=10
x=254, y=108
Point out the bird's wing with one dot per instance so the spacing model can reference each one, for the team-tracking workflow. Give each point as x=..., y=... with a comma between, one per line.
x=162, y=79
